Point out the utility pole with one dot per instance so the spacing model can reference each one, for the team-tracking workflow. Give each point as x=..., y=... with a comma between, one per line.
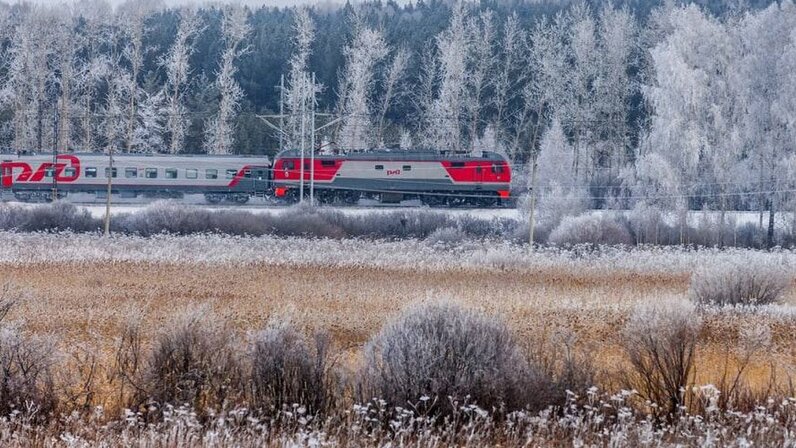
x=312, y=144
x=108, y=197
x=303, y=127
x=532, y=191
x=55, y=156
x=281, y=111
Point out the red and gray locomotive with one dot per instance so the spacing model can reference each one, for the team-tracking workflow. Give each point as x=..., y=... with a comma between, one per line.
x=385, y=176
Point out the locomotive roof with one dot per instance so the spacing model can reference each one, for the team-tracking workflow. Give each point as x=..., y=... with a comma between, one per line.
x=395, y=155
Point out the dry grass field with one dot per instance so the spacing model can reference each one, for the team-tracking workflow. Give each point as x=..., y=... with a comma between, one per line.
x=84, y=303
x=81, y=290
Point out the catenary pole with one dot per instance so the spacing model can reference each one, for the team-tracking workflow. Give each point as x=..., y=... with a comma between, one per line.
x=110, y=187
x=312, y=144
x=532, y=191
x=303, y=128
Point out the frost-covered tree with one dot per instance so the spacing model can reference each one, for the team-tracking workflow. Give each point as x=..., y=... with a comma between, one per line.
x=366, y=49
x=618, y=41
x=543, y=96
x=150, y=124
x=177, y=66
x=453, y=46
x=393, y=89
x=578, y=110
x=513, y=70
x=28, y=87
x=555, y=187
x=767, y=88
x=132, y=15
x=219, y=133
x=423, y=96
x=481, y=67
x=696, y=118
x=299, y=89
x=556, y=157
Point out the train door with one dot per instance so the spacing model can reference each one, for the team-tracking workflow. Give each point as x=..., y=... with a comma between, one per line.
x=479, y=176
x=259, y=179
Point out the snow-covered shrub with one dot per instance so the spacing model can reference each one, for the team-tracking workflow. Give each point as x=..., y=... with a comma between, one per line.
x=438, y=355
x=192, y=362
x=739, y=282
x=590, y=228
x=285, y=371
x=26, y=378
x=446, y=236
x=660, y=341
x=52, y=217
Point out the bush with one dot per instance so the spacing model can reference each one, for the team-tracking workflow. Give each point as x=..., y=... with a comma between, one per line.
x=192, y=363
x=440, y=353
x=739, y=283
x=446, y=236
x=590, y=228
x=285, y=371
x=660, y=343
x=26, y=381
x=57, y=216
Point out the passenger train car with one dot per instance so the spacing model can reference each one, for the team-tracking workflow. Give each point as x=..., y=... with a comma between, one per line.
x=231, y=178
x=388, y=177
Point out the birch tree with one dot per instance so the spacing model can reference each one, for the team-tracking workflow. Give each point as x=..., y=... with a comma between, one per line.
x=481, y=62
x=219, y=138
x=618, y=36
x=299, y=89
x=766, y=71
x=579, y=111
x=132, y=18
x=452, y=50
x=178, y=69
x=393, y=89
x=512, y=75
x=150, y=124
x=424, y=96
x=365, y=51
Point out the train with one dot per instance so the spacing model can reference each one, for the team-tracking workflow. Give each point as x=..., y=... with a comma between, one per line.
x=431, y=178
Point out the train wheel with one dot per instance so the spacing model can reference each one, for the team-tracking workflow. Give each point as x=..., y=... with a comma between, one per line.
x=213, y=198
x=239, y=198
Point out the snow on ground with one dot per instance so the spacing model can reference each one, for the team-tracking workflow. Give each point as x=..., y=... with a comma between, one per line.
x=96, y=207
x=259, y=206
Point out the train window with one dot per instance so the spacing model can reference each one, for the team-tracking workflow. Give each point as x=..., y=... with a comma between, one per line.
x=289, y=165
x=327, y=162
x=497, y=169
x=379, y=167
x=247, y=173
x=407, y=168
x=457, y=164
x=211, y=174
x=70, y=172
x=191, y=173
x=48, y=172
x=171, y=173
x=112, y=171
x=231, y=174
x=151, y=173
x=131, y=173
x=91, y=172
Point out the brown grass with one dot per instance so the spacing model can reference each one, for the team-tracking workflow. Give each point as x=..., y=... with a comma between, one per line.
x=85, y=305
